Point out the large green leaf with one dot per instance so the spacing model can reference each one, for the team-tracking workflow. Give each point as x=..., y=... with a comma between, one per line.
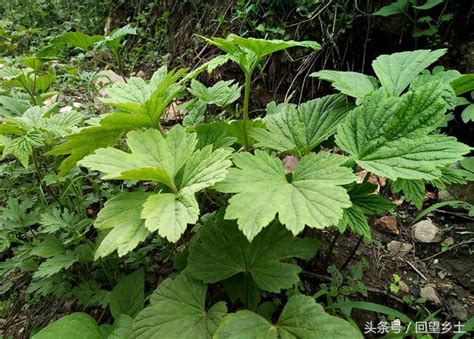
x=247, y=52
x=313, y=196
x=301, y=317
x=354, y=84
x=128, y=295
x=74, y=326
x=177, y=310
x=171, y=160
x=397, y=70
x=220, y=251
x=121, y=217
x=302, y=129
x=389, y=136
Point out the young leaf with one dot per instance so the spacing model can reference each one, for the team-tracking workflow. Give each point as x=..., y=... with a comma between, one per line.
x=221, y=251
x=177, y=310
x=128, y=295
x=313, y=196
x=76, y=325
x=304, y=128
x=301, y=317
x=397, y=70
x=353, y=84
x=247, y=52
x=122, y=216
x=222, y=93
x=413, y=190
x=389, y=136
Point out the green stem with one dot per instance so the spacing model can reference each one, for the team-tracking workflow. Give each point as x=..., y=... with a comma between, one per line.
x=245, y=114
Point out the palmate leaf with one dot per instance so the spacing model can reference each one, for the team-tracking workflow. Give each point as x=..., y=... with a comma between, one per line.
x=389, y=136
x=301, y=317
x=312, y=197
x=177, y=310
x=353, y=84
x=54, y=265
x=170, y=160
x=247, y=52
x=127, y=296
x=302, y=129
x=139, y=105
x=364, y=203
x=220, y=251
x=222, y=93
x=121, y=216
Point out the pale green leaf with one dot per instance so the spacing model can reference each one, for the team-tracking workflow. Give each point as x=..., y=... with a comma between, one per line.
x=76, y=39
x=301, y=317
x=397, y=70
x=354, y=84
x=463, y=84
x=170, y=213
x=312, y=197
x=220, y=251
x=177, y=310
x=222, y=93
x=302, y=129
x=128, y=295
x=467, y=114
x=74, y=326
x=122, y=216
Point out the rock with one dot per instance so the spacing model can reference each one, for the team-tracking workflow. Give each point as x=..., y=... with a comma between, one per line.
x=399, y=248
x=429, y=293
x=444, y=195
x=426, y=231
x=105, y=78
x=65, y=109
x=403, y=287
x=141, y=74
x=77, y=104
x=388, y=224
x=456, y=308
x=289, y=163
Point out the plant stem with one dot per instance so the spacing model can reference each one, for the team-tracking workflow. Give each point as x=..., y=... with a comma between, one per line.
x=245, y=114
x=354, y=250
x=331, y=248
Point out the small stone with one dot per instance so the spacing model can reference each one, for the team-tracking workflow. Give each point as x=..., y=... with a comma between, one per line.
x=456, y=308
x=388, y=224
x=444, y=195
x=436, y=261
x=399, y=248
x=77, y=104
x=141, y=74
x=403, y=287
x=442, y=274
x=65, y=109
x=429, y=293
x=426, y=231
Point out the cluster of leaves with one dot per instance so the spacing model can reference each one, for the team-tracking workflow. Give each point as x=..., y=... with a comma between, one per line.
x=227, y=175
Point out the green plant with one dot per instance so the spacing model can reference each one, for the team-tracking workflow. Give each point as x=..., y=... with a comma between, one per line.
x=249, y=207
x=416, y=12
